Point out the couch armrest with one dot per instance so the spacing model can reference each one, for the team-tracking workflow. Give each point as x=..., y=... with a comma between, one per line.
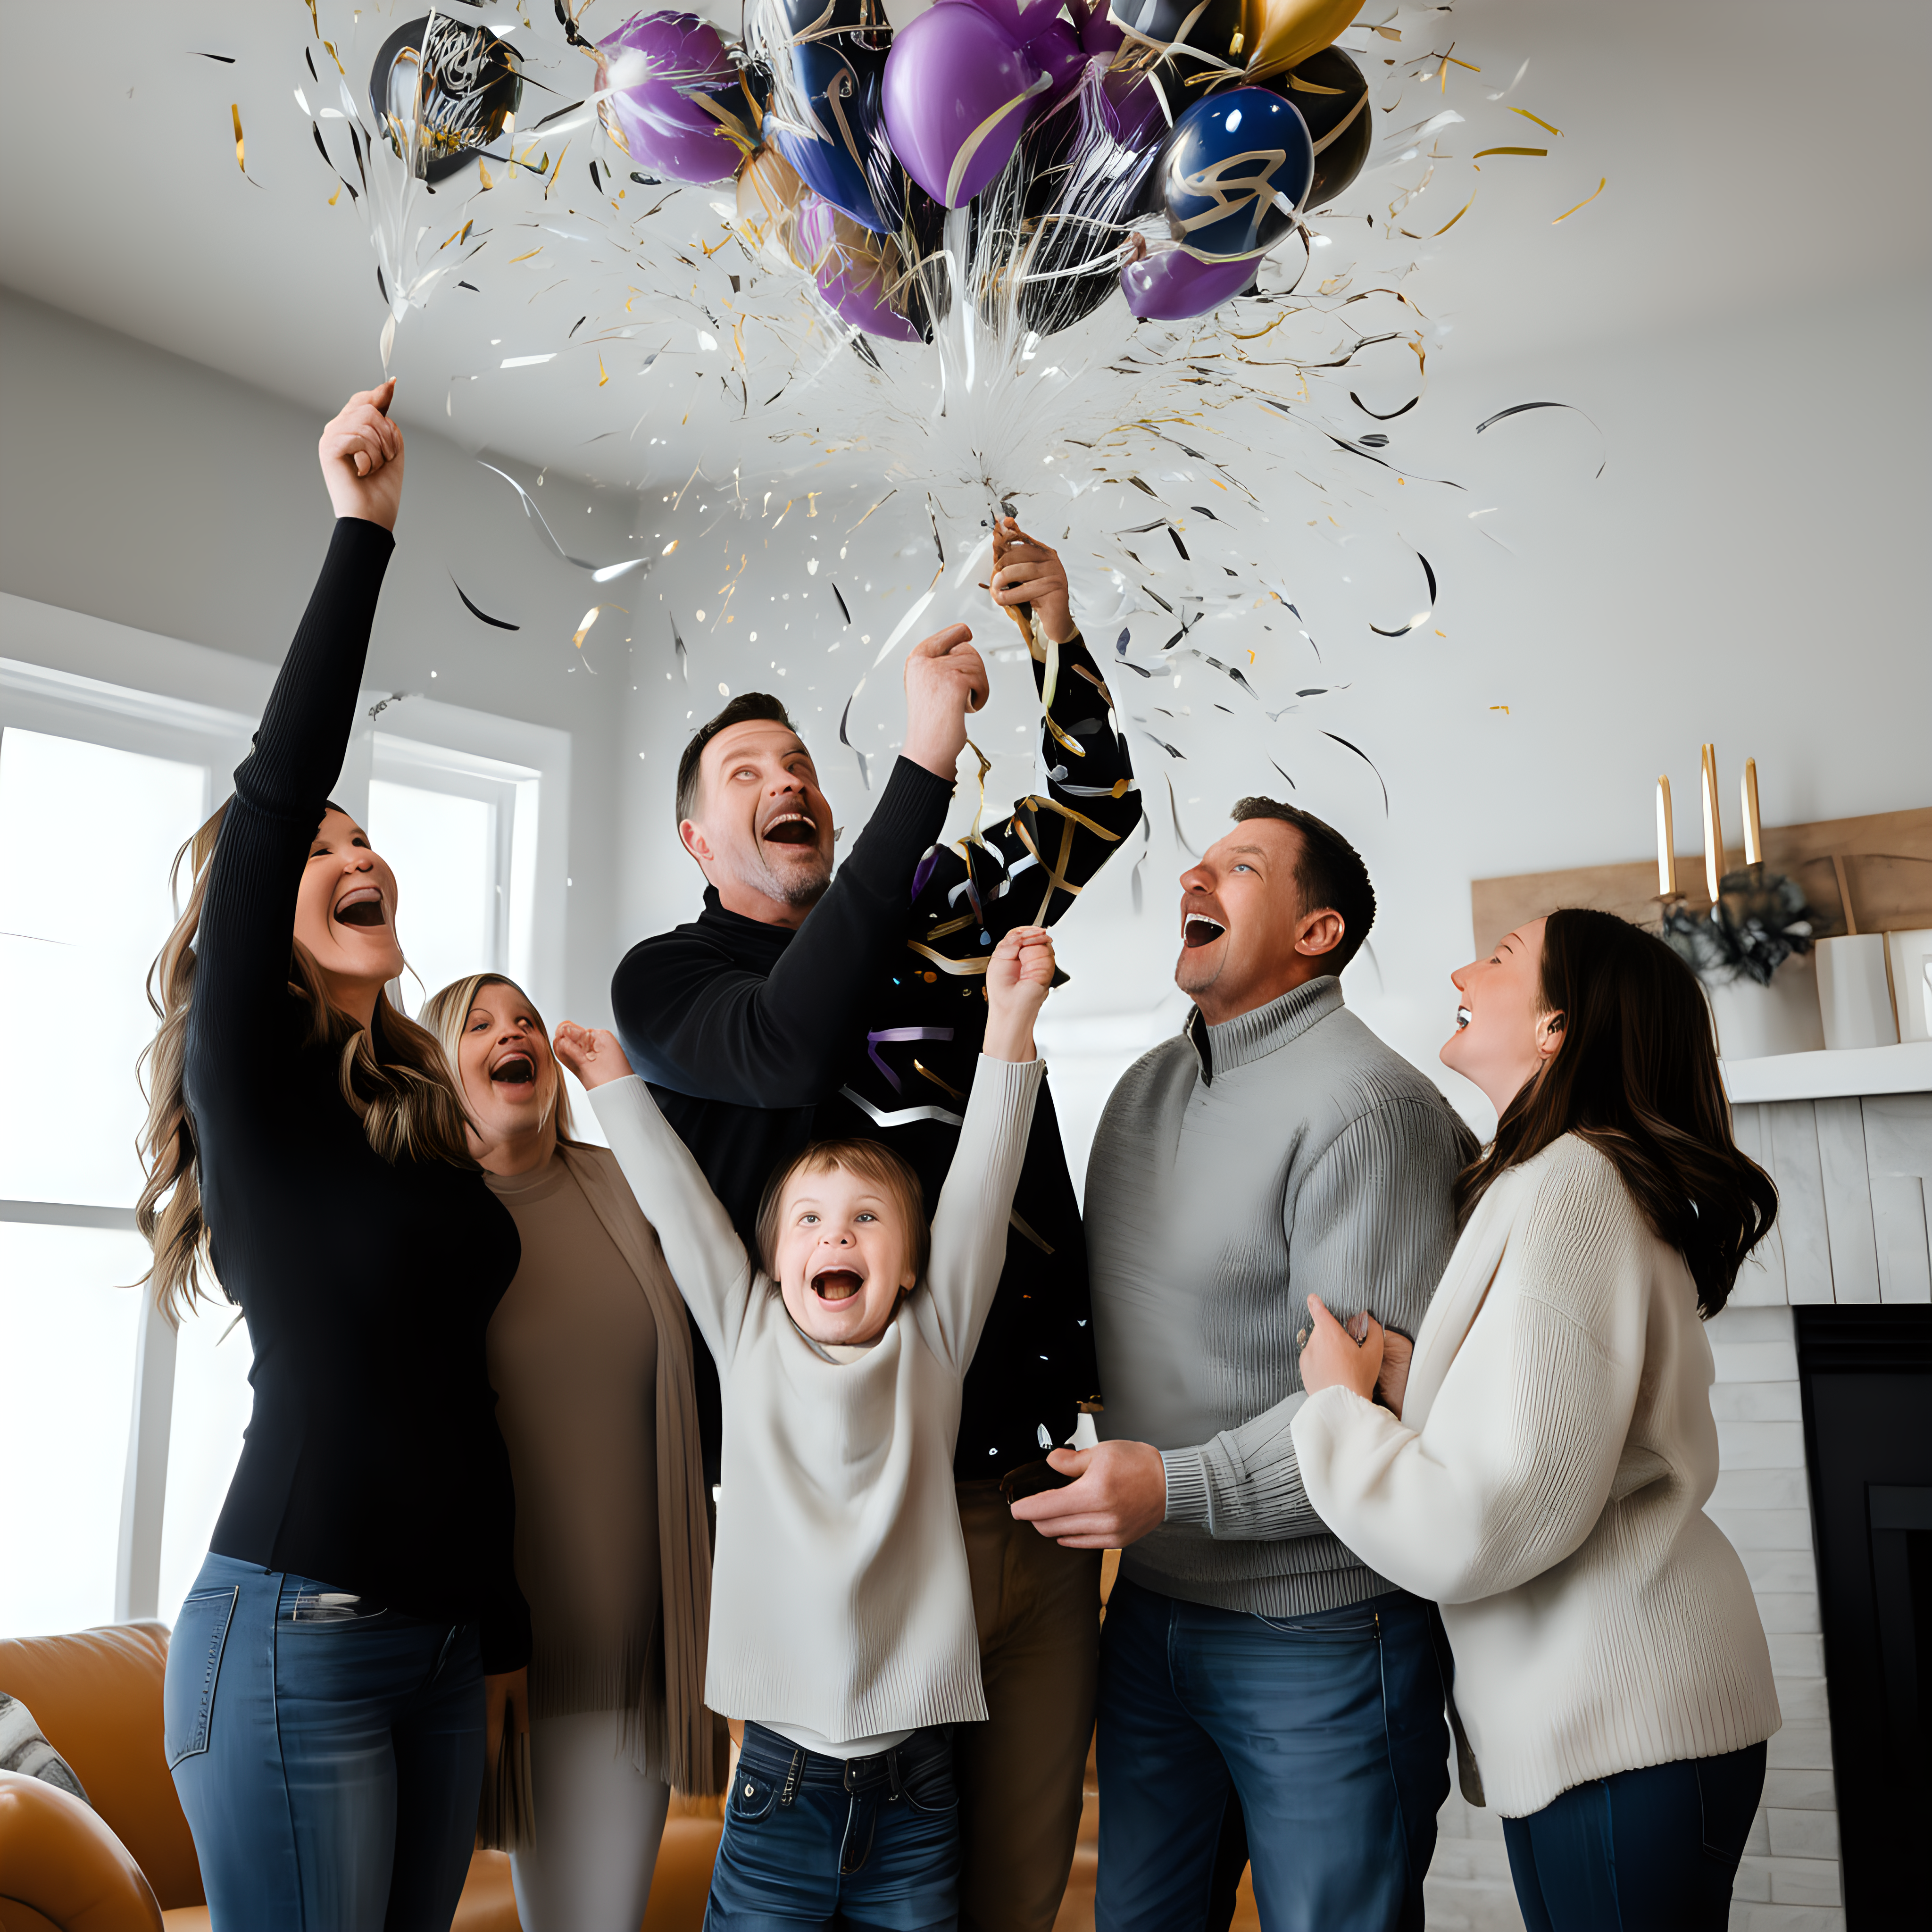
x=59, y=1858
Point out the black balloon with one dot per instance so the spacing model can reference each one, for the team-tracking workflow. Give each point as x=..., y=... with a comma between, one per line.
x=1333, y=97
x=1202, y=40
x=458, y=85
x=814, y=19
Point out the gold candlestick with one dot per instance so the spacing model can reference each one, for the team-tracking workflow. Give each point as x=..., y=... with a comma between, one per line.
x=1666, y=849
x=1714, y=830
x=1754, y=831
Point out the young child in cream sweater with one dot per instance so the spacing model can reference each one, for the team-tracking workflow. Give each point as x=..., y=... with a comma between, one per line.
x=841, y=1621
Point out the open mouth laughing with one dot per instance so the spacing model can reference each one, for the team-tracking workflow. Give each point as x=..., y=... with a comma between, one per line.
x=1198, y=929
x=515, y=1069
x=792, y=828
x=363, y=906
x=1462, y=1018
x=837, y=1285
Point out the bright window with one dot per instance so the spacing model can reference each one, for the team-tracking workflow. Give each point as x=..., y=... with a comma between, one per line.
x=88, y=832
x=67, y=1330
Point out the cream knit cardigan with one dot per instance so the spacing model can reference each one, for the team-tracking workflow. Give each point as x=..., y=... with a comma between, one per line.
x=1546, y=1486
x=841, y=1602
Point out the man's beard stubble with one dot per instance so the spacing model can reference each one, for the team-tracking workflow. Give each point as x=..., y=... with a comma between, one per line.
x=801, y=892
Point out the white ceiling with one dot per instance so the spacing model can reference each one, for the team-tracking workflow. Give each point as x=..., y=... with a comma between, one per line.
x=1754, y=153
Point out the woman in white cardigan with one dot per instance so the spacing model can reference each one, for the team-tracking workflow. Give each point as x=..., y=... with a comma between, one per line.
x=1542, y=1474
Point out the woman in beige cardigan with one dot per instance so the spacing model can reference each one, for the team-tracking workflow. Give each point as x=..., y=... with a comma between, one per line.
x=589, y=1353
x=1543, y=1471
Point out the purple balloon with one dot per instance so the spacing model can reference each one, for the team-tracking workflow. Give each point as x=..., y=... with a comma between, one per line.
x=1134, y=114
x=1098, y=33
x=655, y=62
x=1021, y=20
x=849, y=280
x=958, y=89
x=1056, y=48
x=1177, y=286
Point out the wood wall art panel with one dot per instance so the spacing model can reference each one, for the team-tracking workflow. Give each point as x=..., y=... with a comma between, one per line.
x=1887, y=859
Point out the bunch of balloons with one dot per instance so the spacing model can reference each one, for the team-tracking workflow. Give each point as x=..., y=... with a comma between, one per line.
x=1017, y=149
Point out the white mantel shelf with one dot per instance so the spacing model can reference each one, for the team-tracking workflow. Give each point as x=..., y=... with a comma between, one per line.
x=1906, y=1069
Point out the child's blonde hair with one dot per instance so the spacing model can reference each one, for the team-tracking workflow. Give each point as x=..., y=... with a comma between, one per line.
x=869, y=1161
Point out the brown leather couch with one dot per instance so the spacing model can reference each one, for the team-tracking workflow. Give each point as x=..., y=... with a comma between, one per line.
x=128, y=1864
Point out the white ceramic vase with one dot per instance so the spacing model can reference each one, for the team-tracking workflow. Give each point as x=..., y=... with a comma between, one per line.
x=1853, y=992
x=1754, y=1021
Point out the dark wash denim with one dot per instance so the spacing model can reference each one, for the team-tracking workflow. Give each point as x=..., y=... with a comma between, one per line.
x=328, y=1754
x=1330, y=1730
x=1655, y=1850
x=853, y=1842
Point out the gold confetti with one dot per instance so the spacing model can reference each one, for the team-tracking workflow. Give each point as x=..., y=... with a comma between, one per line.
x=589, y=618
x=1503, y=708
x=1481, y=152
x=1584, y=203
x=603, y=376
x=241, y=158
x=1539, y=120
x=1457, y=216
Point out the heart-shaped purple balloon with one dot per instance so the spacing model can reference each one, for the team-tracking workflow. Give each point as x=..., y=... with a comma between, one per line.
x=958, y=90
x=655, y=63
x=1177, y=285
x=846, y=268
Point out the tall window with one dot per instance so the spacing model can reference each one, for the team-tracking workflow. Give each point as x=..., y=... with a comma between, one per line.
x=117, y=1435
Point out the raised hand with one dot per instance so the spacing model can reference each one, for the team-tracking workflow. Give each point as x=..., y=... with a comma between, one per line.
x=1026, y=571
x=945, y=679
x=1018, y=977
x=590, y=1053
x=361, y=452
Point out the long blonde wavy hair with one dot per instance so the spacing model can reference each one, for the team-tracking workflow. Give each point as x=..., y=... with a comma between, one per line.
x=409, y=1107
x=445, y=1014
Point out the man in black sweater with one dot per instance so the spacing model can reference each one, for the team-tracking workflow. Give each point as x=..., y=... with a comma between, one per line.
x=759, y=1028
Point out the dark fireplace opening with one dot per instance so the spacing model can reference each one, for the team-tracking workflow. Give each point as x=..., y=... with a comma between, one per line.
x=1866, y=1376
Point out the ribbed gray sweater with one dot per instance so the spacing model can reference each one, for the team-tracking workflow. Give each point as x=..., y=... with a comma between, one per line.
x=1237, y=1169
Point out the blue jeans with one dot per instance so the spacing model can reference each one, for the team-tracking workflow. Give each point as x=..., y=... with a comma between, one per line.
x=1330, y=1730
x=328, y=1754
x=853, y=1843
x=1654, y=1850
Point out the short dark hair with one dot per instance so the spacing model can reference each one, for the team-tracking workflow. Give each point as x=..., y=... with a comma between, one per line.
x=1329, y=874
x=745, y=709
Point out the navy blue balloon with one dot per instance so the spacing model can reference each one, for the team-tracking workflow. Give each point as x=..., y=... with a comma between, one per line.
x=842, y=88
x=1235, y=173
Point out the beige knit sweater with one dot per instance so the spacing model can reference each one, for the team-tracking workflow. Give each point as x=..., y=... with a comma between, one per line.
x=1545, y=1485
x=840, y=1603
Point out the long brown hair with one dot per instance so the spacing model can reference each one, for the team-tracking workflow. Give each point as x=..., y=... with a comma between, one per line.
x=446, y=1012
x=390, y=1073
x=1637, y=1077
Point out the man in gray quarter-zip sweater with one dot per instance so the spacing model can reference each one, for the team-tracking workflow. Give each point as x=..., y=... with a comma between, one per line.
x=1254, y=1672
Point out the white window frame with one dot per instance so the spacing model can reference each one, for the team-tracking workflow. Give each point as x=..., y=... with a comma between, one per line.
x=74, y=676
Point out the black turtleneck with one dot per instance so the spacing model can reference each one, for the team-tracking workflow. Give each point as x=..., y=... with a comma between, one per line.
x=867, y=1021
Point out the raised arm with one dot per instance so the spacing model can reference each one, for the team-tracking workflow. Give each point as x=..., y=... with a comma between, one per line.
x=1029, y=869
x=1516, y=1463
x=969, y=1227
x=701, y=1248
x=248, y=914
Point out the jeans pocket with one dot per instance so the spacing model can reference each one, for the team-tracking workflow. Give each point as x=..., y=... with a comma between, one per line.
x=928, y=1786
x=194, y=1669
x=753, y=1795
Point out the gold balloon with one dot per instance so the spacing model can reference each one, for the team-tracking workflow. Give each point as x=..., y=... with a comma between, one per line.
x=1278, y=34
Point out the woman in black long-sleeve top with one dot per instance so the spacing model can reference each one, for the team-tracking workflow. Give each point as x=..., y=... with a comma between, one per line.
x=325, y=1708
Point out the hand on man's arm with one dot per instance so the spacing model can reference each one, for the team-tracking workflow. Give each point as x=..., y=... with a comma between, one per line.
x=1119, y=1493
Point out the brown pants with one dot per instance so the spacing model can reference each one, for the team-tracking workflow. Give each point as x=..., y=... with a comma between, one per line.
x=1038, y=1608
